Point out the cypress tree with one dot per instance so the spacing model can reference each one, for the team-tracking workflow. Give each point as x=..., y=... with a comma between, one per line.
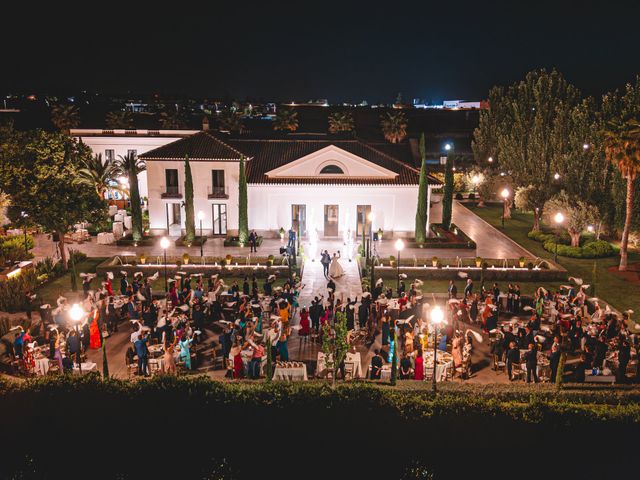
x=243, y=220
x=190, y=218
x=421, y=212
x=447, y=197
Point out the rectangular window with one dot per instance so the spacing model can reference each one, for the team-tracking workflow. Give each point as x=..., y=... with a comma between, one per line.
x=362, y=216
x=217, y=183
x=110, y=155
x=132, y=152
x=171, y=176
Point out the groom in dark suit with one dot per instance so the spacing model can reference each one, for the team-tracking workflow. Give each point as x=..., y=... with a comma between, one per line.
x=325, y=261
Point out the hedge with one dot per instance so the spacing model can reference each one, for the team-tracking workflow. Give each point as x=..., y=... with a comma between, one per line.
x=591, y=248
x=123, y=426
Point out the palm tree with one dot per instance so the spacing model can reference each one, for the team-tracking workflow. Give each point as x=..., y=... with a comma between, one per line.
x=65, y=116
x=394, y=126
x=172, y=120
x=119, y=119
x=341, y=122
x=230, y=121
x=98, y=174
x=286, y=119
x=131, y=166
x=622, y=148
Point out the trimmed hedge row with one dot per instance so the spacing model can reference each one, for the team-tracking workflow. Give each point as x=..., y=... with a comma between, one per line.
x=590, y=249
x=217, y=420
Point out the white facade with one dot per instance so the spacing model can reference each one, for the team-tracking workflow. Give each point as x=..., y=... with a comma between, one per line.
x=120, y=142
x=161, y=210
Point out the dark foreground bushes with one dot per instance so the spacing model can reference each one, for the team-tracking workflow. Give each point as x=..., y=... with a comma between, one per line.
x=198, y=428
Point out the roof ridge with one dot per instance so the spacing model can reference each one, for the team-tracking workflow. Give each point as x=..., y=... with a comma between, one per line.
x=395, y=160
x=214, y=137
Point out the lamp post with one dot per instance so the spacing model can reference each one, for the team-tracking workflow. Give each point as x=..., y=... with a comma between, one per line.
x=505, y=195
x=201, y=217
x=25, y=215
x=370, y=218
x=164, y=243
x=399, y=247
x=77, y=313
x=558, y=218
x=437, y=317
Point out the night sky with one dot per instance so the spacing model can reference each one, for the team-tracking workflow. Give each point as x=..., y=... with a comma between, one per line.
x=343, y=51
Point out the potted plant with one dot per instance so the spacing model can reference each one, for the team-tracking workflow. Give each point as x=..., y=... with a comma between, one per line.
x=434, y=261
x=143, y=258
x=227, y=259
x=392, y=260
x=478, y=262
x=379, y=234
x=185, y=259
x=270, y=261
x=281, y=232
x=521, y=262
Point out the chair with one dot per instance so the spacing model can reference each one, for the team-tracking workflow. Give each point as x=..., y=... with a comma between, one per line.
x=349, y=369
x=498, y=364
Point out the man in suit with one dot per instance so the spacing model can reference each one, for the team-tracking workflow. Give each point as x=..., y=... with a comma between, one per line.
x=468, y=289
x=315, y=312
x=376, y=366
x=325, y=260
x=513, y=358
x=531, y=360
x=453, y=290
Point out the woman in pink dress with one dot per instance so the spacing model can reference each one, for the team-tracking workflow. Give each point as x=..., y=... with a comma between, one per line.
x=304, y=322
x=418, y=368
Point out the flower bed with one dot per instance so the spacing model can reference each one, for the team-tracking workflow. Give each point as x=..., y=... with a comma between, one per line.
x=128, y=241
x=441, y=238
x=235, y=242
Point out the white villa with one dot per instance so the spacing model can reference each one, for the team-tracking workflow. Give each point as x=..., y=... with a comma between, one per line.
x=330, y=186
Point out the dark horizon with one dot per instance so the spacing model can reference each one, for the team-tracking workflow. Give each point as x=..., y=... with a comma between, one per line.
x=342, y=52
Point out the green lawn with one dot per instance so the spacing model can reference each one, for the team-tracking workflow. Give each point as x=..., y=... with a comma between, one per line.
x=62, y=285
x=618, y=292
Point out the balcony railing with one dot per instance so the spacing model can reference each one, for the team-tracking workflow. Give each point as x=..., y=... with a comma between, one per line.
x=217, y=192
x=171, y=191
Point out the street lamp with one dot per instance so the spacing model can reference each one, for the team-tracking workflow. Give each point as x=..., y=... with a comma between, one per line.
x=77, y=313
x=556, y=176
x=490, y=159
x=476, y=180
x=437, y=317
x=558, y=218
x=399, y=248
x=164, y=244
x=447, y=147
x=201, y=217
x=505, y=195
x=590, y=228
x=25, y=215
x=370, y=217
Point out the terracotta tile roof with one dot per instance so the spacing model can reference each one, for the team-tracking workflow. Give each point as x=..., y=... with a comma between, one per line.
x=200, y=146
x=266, y=154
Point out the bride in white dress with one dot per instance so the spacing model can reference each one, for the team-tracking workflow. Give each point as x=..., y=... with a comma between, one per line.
x=335, y=269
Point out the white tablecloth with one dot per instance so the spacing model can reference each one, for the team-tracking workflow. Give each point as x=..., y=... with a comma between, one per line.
x=15, y=231
x=113, y=209
x=127, y=222
x=118, y=217
x=118, y=229
x=86, y=368
x=290, y=374
x=42, y=366
x=106, y=238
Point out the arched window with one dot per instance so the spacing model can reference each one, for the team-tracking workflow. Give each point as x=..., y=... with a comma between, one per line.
x=331, y=170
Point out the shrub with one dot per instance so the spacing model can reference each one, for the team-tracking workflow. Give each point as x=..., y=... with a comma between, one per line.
x=77, y=256
x=596, y=249
x=459, y=196
x=472, y=196
x=12, y=291
x=12, y=248
x=46, y=266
